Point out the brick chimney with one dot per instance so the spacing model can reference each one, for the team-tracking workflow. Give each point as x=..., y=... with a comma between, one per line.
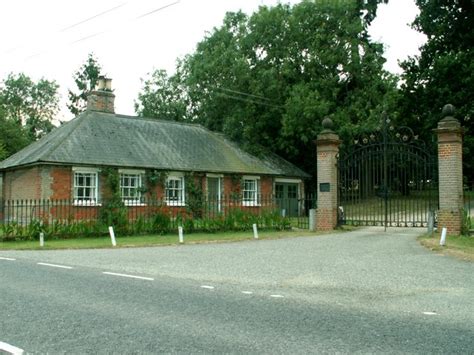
x=103, y=98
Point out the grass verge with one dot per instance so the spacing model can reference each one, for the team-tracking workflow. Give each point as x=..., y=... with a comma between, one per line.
x=461, y=247
x=149, y=240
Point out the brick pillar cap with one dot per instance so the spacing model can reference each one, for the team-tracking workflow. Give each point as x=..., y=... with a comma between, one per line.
x=448, y=123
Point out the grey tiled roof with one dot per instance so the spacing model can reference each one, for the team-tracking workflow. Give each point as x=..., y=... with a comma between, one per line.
x=104, y=139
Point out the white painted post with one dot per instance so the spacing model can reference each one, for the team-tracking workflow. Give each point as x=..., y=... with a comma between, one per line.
x=41, y=239
x=283, y=212
x=181, y=236
x=442, y=241
x=112, y=236
x=255, y=231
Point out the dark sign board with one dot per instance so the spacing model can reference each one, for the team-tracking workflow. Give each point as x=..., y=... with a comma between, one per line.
x=325, y=187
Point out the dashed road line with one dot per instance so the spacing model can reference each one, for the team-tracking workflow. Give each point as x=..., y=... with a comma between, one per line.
x=55, y=265
x=277, y=296
x=430, y=313
x=247, y=292
x=129, y=276
x=207, y=287
x=8, y=259
x=10, y=349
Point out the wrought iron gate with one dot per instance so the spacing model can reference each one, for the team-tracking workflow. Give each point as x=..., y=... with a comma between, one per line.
x=387, y=178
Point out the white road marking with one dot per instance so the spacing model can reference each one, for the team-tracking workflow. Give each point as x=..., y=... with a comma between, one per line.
x=277, y=296
x=9, y=259
x=130, y=276
x=247, y=292
x=208, y=287
x=430, y=313
x=54, y=265
x=10, y=349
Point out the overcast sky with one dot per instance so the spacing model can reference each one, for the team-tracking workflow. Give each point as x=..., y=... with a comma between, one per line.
x=52, y=38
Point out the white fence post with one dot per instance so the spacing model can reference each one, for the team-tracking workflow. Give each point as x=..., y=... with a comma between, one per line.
x=180, y=234
x=255, y=231
x=442, y=241
x=41, y=239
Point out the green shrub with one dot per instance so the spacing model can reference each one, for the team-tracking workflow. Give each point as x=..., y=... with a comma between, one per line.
x=161, y=223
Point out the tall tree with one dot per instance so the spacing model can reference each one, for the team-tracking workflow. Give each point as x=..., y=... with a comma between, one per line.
x=269, y=79
x=29, y=105
x=444, y=71
x=86, y=78
x=162, y=97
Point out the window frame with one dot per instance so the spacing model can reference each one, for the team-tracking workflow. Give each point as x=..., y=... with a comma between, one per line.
x=255, y=200
x=181, y=201
x=93, y=200
x=138, y=174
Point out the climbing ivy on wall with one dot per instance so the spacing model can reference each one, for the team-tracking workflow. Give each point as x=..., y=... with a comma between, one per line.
x=113, y=212
x=194, y=193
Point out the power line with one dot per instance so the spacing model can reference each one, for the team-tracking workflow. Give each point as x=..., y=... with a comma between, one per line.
x=93, y=17
x=156, y=10
x=249, y=100
x=244, y=93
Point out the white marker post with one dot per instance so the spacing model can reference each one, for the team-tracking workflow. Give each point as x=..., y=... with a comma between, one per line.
x=442, y=241
x=180, y=234
x=41, y=239
x=255, y=231
x=112, y=236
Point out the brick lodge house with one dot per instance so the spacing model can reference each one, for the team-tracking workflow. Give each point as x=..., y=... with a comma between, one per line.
x=153, y=158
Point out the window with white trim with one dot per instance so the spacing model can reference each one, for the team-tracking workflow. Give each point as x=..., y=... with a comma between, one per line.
x=174, y=191
x=130, y=188
x=250, y=191
x=85, y=187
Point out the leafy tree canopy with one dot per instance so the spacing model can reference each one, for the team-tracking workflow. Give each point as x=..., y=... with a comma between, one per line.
x=267, y=80
x=26, y=110
x=86, y=78
x=444, y=71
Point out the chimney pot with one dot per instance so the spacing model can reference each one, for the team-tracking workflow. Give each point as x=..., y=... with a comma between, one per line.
x=108, y=84
x=101, y=83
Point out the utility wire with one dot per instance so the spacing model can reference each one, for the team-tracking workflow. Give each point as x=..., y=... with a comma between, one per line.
x=280, y=107
x=244, y=94
x=156, y=10
x=65, y=29
x=137, y=18
x=93, y=17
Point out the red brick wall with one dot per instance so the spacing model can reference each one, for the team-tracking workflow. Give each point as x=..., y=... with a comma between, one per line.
x=61, y=183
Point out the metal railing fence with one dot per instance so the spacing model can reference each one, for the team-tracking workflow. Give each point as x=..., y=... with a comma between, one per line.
x=25, y=219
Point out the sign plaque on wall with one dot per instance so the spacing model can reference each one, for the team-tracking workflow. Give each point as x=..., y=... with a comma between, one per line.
x=325, y=187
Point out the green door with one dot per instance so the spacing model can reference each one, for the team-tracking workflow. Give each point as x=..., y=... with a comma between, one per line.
x=287, y=198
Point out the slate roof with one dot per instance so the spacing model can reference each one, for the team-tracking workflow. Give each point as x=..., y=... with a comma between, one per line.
x=105, y=139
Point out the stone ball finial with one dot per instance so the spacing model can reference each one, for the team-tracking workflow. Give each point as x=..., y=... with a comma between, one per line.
x=327, y=124
x=447, y=120
x=448, y=111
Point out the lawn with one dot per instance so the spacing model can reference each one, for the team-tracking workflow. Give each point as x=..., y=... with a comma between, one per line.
x=461, y=247
x=149, y=240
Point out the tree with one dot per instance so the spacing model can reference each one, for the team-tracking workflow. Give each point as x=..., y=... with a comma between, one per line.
x=27, y=105
x=443, y=72
x=162, y=97
x=268, y=80
x=86, y=79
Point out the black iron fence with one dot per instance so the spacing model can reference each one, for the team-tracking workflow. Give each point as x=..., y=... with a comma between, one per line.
x=25, y=219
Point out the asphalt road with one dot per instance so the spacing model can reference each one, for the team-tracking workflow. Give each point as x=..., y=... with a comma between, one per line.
x=364, y=291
